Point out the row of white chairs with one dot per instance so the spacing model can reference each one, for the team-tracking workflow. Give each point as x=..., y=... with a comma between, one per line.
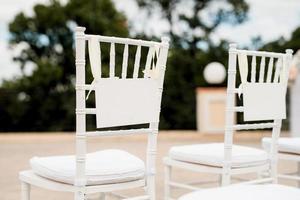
x=135, y=99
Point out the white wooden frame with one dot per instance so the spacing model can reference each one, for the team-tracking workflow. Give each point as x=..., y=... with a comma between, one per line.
x=28, y=178
x=227, y=171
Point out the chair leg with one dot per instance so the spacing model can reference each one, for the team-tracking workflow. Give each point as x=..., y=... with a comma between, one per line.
x=298, y=172
x=226, y=179
x=167, y=193
x=219, y=179
x=150, y=186
x=79, y=195
x=25, y=191
x=260, y=175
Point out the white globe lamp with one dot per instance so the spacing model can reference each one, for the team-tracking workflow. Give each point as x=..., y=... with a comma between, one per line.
x=214, y=73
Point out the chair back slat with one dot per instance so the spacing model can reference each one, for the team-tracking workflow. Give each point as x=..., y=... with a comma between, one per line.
x=278, y=68
x=253, y=69
x=95, y=56
x=137, y=62
x=125, y=61
x=150, y=54
x=112, y=55
x=270, y=70
x=262, y=69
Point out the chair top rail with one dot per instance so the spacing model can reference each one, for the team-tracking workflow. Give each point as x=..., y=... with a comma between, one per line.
x=123, y=40
x=261, y=53
x=120, y=132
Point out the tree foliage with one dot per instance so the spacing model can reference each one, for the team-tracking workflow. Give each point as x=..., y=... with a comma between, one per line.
x=192, y=48
x=45, y=100
x=282, y=44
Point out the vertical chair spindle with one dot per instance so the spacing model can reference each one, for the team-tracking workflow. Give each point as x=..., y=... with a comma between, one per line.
x=137, y=62
x=149, y=59
x=270, y=70
x=278, y=68
x=125, y=61
x=253, y=69
x=112, y=60
x=262, y=69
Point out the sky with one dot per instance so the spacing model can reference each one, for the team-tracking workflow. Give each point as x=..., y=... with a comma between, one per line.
x=269, y=19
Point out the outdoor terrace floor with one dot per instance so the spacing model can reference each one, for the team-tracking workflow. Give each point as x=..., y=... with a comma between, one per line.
x=17, y=149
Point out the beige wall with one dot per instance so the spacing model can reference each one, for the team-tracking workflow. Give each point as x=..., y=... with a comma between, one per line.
x=211, y=104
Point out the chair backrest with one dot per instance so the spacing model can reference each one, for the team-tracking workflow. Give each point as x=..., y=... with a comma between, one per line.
x=273, y=69
x=120, y=101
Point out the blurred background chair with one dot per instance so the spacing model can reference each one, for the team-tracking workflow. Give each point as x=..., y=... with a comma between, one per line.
x=226, y=159
x=108, y=170
x=289, y=150
x=289, y=147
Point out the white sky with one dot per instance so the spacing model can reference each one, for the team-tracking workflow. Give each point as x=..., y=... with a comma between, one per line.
x=268, y=18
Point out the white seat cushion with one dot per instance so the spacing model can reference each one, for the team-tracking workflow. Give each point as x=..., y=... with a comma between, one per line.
x=287, y=145
x=213, y=155
x=246, y=192
x=102, y=167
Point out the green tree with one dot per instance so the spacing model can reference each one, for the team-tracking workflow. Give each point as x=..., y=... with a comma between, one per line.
x=45, y=100
x=281, y=44
x=192, y=49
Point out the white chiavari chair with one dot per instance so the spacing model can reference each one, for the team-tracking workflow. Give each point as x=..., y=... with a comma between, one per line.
x=226, y=159
x=120, y=101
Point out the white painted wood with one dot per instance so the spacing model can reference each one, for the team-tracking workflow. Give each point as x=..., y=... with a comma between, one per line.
x=149, y=60
x=80, y=42
x=181, y=185
x=25, y=191
x=226, y=171
x=253, y=126
x=262, y=53
x=262, y=69
x=278, y=68
x=167, y=178
x=152, y=138
x=128, y=41
x=119, y=132
x=125, y=61
x=253, y=69
x=137, y=62
x=270, y=70
x=153, y=86
x=112, y=60
x=145, y=197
